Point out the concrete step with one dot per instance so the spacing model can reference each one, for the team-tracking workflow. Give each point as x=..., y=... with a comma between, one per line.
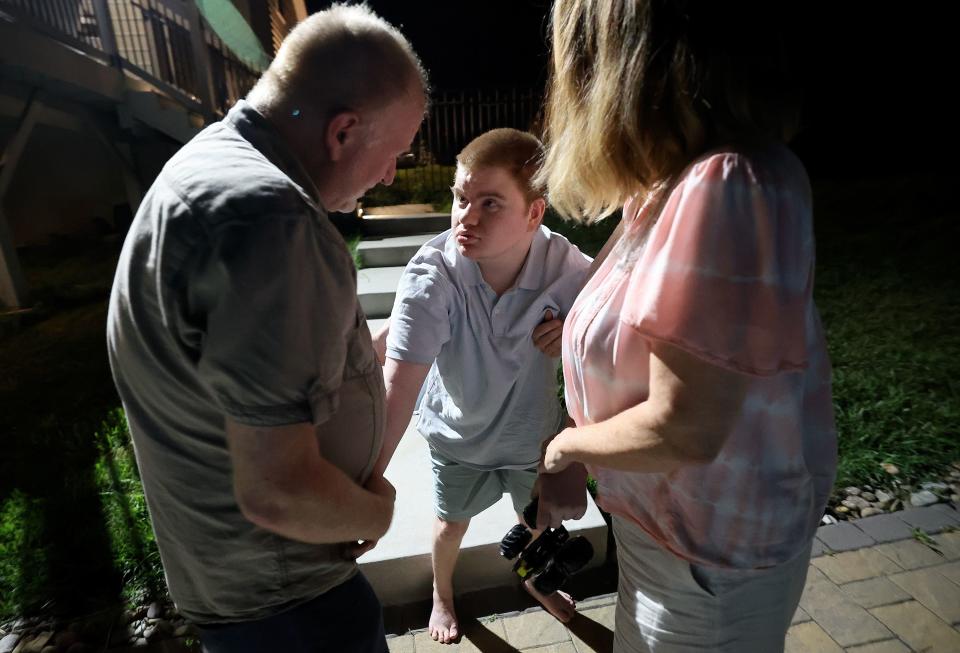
x=376, y=288
x=399, y=567
x=392, y=251
x=375, y=324
x=404, y=225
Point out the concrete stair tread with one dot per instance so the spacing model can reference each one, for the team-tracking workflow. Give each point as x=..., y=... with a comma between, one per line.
x=401, y=225
x=376, y=288
x=395, y=241
x=391, y=251
x=383, y=279
x=402, y=216
x=376, y=323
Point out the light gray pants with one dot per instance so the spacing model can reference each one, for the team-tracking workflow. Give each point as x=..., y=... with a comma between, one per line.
x=668, y=605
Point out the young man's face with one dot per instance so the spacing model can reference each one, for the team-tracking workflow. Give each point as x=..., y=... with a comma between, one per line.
x=491, y=218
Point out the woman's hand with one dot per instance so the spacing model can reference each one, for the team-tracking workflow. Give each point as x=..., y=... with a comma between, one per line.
x=561, y=496
x=554, y=461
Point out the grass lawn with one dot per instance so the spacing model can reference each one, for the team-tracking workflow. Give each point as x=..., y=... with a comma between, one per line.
x=74, y=534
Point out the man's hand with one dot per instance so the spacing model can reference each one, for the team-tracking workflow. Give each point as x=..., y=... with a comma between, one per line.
x=283, y=484
x=547, y=335
x=381, y=487
x=561, y=496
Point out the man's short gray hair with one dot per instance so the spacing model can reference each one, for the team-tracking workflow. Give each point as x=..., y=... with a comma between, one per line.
x=343, y=58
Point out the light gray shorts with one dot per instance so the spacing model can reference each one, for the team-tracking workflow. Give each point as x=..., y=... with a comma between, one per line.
x=461, y=492
x=668, y=605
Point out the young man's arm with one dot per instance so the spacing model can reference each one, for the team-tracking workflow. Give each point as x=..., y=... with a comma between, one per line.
x=379, y=339
x=403, y=381
x=283, y=484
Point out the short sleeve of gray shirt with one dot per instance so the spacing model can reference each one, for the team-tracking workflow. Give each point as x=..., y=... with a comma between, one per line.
x=420, y=321
x=273, y=352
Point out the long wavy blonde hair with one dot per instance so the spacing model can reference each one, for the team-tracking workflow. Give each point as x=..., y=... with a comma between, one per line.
x=639, y=88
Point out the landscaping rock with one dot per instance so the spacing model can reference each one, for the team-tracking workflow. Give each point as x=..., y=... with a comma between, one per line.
x=67, y=638
x=852, y=491
x=890, y=468
x=935, y=487
x=828, y=519
x=158, y=631
x=9, y=642
x=49, y=649
x=140, y=642
x=855, y=503
x=154, y=611
x=883, y=497
x=121, y=636
x=868, y=496
x=870, y=511
x=923, y=498
x=36, y=644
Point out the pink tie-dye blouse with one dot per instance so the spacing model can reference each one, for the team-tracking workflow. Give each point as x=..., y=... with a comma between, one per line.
x=725, y=273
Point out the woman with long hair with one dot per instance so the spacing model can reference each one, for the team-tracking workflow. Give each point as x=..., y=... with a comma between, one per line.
x=695, y=363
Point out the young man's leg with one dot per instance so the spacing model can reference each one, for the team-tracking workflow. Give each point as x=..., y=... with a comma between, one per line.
x=519, y=483
x=447, y=536
x=460, y=493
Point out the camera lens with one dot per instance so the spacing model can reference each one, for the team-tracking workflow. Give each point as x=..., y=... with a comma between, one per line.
x=550, y=580
x=514, y=541
x=574, y=555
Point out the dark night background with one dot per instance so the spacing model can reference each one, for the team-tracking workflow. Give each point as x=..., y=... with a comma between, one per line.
x=878, y=137
x=877, y=80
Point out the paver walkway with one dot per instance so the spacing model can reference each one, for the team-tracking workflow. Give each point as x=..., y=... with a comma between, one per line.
x=876, y=585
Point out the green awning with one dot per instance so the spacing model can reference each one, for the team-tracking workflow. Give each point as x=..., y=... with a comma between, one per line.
x=229, y=24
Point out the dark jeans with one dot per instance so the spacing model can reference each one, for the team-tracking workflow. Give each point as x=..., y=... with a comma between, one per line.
x=346, y=619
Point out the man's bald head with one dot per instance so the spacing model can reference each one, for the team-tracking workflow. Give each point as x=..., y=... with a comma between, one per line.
x=345, y=58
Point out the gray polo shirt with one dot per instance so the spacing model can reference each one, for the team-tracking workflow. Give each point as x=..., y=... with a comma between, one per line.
x=235, y=296
x=491, y=396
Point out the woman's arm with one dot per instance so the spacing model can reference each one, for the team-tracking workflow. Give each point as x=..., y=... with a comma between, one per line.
x=686, y=419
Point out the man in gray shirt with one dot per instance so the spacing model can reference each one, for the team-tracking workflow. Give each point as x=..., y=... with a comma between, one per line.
x=241, y=354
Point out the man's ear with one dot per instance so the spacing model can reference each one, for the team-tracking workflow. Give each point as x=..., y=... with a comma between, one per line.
x=341, y=133
x=535, y=215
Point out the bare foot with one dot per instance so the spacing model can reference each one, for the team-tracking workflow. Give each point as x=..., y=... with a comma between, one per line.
x=560, y=604
x=443, y=621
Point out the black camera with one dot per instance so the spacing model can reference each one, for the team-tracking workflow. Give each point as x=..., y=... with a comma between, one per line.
x=550, y=559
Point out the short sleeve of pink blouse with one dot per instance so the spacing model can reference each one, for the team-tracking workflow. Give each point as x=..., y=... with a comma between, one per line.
x=722, y=275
